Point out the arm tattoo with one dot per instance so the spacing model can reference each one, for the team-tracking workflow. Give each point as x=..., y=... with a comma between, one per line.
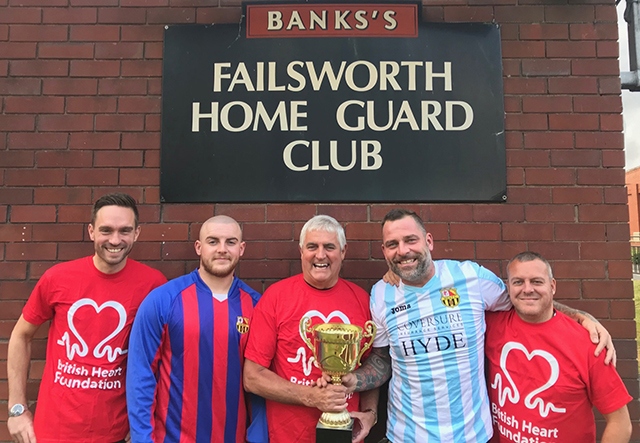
x=375, y=370
x=573, y=313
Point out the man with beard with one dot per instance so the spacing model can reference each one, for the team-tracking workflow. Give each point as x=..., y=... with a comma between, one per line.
x=430, y=339
x=91, y=303
x=184, y=381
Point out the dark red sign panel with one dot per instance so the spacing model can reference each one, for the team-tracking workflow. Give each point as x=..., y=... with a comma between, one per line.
x=332, y=20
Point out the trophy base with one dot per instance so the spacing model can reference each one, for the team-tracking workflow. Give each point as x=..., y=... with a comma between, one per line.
x=325, y=434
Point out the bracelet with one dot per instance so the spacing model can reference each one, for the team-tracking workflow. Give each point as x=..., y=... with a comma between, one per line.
x=375, y=415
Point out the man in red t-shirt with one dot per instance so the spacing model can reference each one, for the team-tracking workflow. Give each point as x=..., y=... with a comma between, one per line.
x=279, y=365
x=543, y=375
x=91, y=303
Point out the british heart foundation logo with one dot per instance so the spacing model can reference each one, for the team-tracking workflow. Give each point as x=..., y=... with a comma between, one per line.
x=79, y=345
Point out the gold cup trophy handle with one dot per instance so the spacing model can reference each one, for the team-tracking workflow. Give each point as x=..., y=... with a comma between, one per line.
x=305, y=331
x=369, y=331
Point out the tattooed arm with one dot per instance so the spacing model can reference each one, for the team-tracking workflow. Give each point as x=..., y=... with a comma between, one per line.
x=599, y=335
x=372, y=374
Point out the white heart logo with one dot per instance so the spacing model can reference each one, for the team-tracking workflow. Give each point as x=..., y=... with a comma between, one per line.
x=512, y=391
x=101, y=348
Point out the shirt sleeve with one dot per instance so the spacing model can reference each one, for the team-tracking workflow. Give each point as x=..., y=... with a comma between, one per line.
x=144, y=354
x=377, y=314
x=494, y=292
x=607, y=392
x=38, y=309
x=261, y=345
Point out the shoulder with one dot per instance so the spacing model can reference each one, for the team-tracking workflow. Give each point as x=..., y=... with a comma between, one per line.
x=146, y=270
x=282, y=286
x=357, y=290
x=242, y=286
x=171, y=289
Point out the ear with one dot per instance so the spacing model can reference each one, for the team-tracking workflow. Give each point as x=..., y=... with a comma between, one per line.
x=344, y=251
x=90, y=229
x=429, y=239
x=242, y=246
x=198, y=247
x=136, y=234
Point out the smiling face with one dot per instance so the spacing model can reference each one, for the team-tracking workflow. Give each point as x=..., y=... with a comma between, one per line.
x=407, y=249
x=531, y=290
x=113, y=233
x=321, y=259
x=220, y=247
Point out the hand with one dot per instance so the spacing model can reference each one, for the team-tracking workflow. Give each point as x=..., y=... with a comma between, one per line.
x=323, y=381
x=601, y=337
x=332, y=398
x=127, y=439
x=362, y=425
x=350, y=381
x=21, y=428
x=391, y=278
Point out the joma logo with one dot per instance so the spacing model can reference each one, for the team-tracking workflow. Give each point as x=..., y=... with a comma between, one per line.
x=400, y=308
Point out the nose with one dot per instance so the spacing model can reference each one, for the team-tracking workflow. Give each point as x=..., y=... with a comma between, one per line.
x=115, y=238
x=320, y=252
x=403, y=249
x=527, y=287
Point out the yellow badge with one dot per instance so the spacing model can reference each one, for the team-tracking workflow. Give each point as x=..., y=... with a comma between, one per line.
x=242, y=324
x=450, y=297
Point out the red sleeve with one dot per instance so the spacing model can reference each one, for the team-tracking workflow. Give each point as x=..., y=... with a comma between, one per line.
x=38, y=308
x=261, y=345
x=607, y=392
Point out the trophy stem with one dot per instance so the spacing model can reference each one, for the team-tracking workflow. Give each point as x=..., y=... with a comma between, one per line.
x=335, y=419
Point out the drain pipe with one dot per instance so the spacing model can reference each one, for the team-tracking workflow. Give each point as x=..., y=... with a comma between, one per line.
x=631, y=80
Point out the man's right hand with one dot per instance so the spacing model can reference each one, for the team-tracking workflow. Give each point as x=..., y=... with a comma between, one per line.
x=21, y=428
x=332, y=398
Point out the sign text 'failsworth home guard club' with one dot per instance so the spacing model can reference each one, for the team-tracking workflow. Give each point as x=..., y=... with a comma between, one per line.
x=333, y=103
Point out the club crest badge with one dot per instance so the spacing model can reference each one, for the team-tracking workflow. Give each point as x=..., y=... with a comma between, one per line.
x=450, y=297
x=242, y=324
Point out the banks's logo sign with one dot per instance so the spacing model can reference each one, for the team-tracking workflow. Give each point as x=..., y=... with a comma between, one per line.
x=242, y=324
x=450, y=297
x=332, y=20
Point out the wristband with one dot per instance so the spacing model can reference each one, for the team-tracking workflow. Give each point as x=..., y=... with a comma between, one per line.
x=375, y=415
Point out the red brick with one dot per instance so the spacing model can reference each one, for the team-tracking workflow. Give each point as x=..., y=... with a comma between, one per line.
x=149, y=213
x=526, y=122
x=598, y=104
x=58, y=232
x=153, y=50
x=550, y=176
x=611, y=122
x=100, y=140
x=580, y=232
x=94, y=68
x=73, y=250
x=526, y=231
x=14, y=51
x=380, y=210
x=122, y=86
x=94, y=33
x=450, y=213
x=345, y=213
x=151, y=251
x=140, y=140
x=268, y=231
x=618, y=232
x=187, y=212
x=154, y=86
x=603, y=213
x=519, y=14
x=576, y=158
x=514, y=140
x=612, y=159
x=64, y=159
x=615, y=289
x=112, y=122
x=139, y=176
x=594, y=67
x=69, y=15
x=21, y=15
x=290, y=212
x=34, y=105
x=264, y=269
x=544, y=31
x=33, y=214
x=17, y=123
x=622, y=309
x=122, y=15
x=600, y=176
x=577, y=195
x=38, y=33
x=498, y=213
x=546, y=67
x=65, y=123
x=165, y=232
x=65, y=51
x=604, y=250
x=16, y=195
x=620, y=269
x=573, y=85
x=139, y=105
x=569, y=13
x=498, y=250
x=91, y=105
x=599, y=140
x=549, y=213
x=243, y=212
x=17, y=159
x=141, y=68
x=578, y=269
x=474, y=231
x=145, y=33
x=570, y=49
x=34, y=177
x=119, y=50
x=548, y=140
x=118, y=158
x=30, y=251
x=364, y=269
x=547, y=103
x=615, y=195
x=593, y=31
x=233, y=15
x=583, y=122
x=92, y=176
x=178, y=251
x=515, y=176
x=608, y=49
x=39, y=68
x=555, y=250
x=527, y=157
x=513, y=105
x=457, y=250
x=363, y=231
x=19, y=86
x=13, y=271
x=151, y=159
x=69, y=86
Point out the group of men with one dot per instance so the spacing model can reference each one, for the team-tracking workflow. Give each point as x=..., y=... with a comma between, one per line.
x=205, y=350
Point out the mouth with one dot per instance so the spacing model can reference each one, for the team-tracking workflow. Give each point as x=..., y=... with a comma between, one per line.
x=114, y=250
x=407, y=261
x=321, y=265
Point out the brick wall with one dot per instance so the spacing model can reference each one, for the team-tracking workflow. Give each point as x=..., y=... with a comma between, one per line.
x=80, y=84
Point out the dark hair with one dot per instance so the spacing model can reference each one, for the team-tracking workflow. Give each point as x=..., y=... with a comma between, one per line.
x=399, y=214
x=530, y=256
x=115, y=199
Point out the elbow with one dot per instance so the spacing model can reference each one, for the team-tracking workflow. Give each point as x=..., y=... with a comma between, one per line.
x=249, y=376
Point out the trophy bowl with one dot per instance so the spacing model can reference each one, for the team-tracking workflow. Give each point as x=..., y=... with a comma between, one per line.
x=337, y=349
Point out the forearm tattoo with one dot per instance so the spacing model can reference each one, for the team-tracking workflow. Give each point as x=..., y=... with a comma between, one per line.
x=573, y=313
x=375, y=370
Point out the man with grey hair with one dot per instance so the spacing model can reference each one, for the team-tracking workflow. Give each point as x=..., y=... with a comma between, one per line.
x=278, y=364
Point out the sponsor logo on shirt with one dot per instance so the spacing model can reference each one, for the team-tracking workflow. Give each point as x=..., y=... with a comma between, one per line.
x=400, y=308
x=242, y=324
x=450, y=297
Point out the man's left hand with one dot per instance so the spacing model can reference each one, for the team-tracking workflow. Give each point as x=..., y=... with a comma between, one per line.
x=601, y=337
x=363, y=423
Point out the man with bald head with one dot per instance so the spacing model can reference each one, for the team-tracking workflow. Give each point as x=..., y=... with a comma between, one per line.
x=184, y=381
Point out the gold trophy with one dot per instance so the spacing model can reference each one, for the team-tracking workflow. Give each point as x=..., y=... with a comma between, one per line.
x=337, y=350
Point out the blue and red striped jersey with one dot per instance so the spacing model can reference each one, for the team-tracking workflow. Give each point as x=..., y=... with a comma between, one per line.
x=184, y=377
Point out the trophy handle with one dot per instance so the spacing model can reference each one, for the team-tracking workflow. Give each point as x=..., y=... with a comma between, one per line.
x=370, y=330
x=304, y=331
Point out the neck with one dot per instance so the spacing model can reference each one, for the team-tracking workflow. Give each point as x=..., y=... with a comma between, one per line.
x=218, y=285
x=537, y=318
x=431, y=271
x=106, y=268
